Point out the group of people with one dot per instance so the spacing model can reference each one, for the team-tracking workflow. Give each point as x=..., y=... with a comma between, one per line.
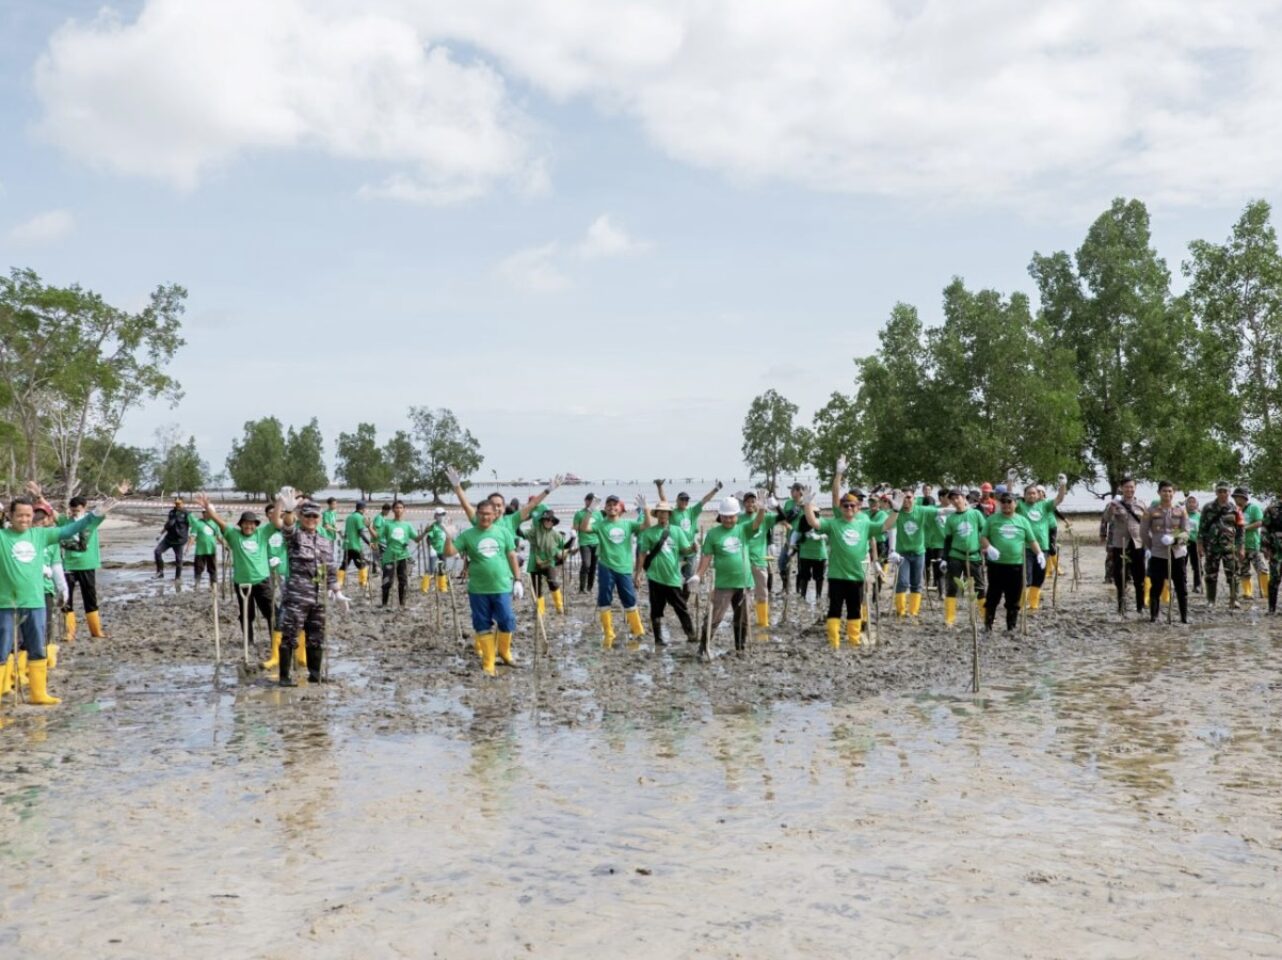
x=994, y=545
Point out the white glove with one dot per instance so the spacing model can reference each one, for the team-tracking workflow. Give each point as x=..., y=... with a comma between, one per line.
x=336, y=596
x=692, y=580
x=1167, y=539
x=555, y=482
x=807, y=496
x=1148, y=555
x=774, y=550
x=104, y=507
x=48, y=571
x=895, y=558
x=772, y=503
x=841, y=465
x=993, y=553
x=640, y=502
x=452, y=476
x=518, y=590
x=288, y=499
x=1041, y=560
x=897, y=500
x=1062, y=480
x=274, y=562
x=943, y=566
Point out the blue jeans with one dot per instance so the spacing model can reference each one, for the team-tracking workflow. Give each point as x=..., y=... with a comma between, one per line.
x=491, y=610
x=911, y=567
x=32, y=625
x=607, y=580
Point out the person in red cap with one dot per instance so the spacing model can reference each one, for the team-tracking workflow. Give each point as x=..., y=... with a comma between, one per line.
x=987, y=502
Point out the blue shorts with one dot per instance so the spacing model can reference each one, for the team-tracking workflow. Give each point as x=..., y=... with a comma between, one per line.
x=492, y=610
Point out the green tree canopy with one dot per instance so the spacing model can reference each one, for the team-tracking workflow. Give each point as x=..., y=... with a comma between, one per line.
x=443, y=442
x=305, y=458
x=404, y=466
x=360, y=462
x=772, y=443
x=257, y=462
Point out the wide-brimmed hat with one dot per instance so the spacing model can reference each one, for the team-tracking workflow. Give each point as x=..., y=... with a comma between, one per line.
x=662, y=505
x=248, y=517
x=1242, y=492
x=549, y=515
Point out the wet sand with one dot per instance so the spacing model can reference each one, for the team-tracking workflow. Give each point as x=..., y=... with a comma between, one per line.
x=1112, y=791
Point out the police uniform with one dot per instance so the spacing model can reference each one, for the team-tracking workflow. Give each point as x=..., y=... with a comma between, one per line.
x=1120, y=529
x=1160, y=522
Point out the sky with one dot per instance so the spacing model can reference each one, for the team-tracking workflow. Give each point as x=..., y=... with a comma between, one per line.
x=596, y=229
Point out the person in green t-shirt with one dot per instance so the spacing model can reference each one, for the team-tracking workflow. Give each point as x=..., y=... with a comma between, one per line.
x=661, y=548
x=493, y=579
x=907, y=544
x=725, y=549
x=250, y=569
x=396, y=540
x=81, y=559
x=587, y=543
x=204, y=538
x=758, y=540
x=55, y=580
x=436, y=537
x=686, y=516
x=376, y=544
x=22, y=603
x=1253, y=560
x=962, y=557
x=1194, y=512
x=1040, y=514
x=356, y=534
x=514, y=518
x=329, y=519
x=1005, y=537
x=547, y=552
x=615, y=560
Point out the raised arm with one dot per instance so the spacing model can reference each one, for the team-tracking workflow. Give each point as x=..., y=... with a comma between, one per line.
x=838, y=476
x=659, y=486
x=707, y=497
x=808, y=507
x=1062, y=492
x=456, y=485
x=210, y=514
x=643, y=510
x=528, y=509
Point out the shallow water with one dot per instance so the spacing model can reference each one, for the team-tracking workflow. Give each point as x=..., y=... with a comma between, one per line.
x=1115, y=801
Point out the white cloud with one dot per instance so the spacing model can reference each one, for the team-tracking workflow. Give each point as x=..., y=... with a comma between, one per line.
x=47, y=227
x=535, y=269
x=605, y=239
x=188, y=87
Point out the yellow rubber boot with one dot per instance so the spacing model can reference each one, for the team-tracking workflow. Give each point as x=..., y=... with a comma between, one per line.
x=607, y=629
x=1264, y=585
x=504, y=641
x=443, y=583
x=478, y=646
x=852, y=632
x=6, y=676
x=1148, y=586
x=39, y=692
x=763, y=615
x=950, y=610
x=558, y=601
x=23, y=674
x=1248, y=587
x=1166, y=592
x=634, y=622
x=425, y=582
x=300, y=651
x=489, y=647
x=362, y=576
x=69, y=626
x=914, y=604
x=540, y=606
x=1034, y=598
x=272, y=662
x=342, y=576
x=51, y=652
x=833, y=624
x=95, y=626
x=901, y=604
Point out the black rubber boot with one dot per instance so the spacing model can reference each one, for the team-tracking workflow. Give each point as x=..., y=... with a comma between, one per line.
x=286, y=659
x=314, y=657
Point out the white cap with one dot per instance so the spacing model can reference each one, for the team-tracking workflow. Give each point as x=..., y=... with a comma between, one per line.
x=438, y=512
x=729, y=508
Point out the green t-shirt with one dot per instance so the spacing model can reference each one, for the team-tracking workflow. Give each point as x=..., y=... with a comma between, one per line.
x=614, y=543
x=397, y=539
x=935, y=529
x=53, y=557
x=488, y=568
x=88, y=556
x=965, y=528
x=436, y=537
x=205, y=532
x=22, y=562
x=912, y=528
x=729, y=552
x=1039, y=516
x=587, y=539
x=665, y=568
x=876, y=521
x=329, y=524
x=811, y=546
x=757, y=541
x=1010, y=535
x=276, y=548
x=1253, y=514
x=1195, y=521
x=352, y=528
x=545, y=558
x=249, y=554
x=847, y=545
x=688, y=520
x=377, y=524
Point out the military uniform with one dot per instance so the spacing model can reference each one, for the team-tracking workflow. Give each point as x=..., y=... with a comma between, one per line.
x=1120, y=530
x=1221, y=536
x=303, y=603
x=1160, y=523
x=1271, y=540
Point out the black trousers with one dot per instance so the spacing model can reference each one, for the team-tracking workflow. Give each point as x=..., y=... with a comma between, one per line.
x=957, y=569
x=548, y=574
x=164, y=547
x=587, y=568
x=847, y=593
x=87, y=582
x=1179, y=577
x=932, y=575
x=401, y=571
x=1195, y=561
x=353, y=556
x=663, y=596
x=1005, y=581
x=808, y=570
x=1126, y=561
x=205, y=561
x=260, y=599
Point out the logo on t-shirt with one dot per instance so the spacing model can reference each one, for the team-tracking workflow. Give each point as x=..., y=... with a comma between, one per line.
x=851, y=536
x=275, y=540
x=1034, y=515
x=249, y=546
x=24, y=551
x=488, y=548
x=616, y=534
x=398, y=533
x=964, y=528
x=685, y=524
x=1009, y=530
x=909, y=527
x=731, y=545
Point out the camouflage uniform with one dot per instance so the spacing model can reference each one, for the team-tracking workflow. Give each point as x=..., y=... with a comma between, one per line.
x=1221, y=537
x=1271, y=539
x=303, y=604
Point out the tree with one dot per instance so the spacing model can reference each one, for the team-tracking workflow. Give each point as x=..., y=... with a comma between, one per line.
x=834, y=434
x=360, y=462
x=305, y=458
x=404, y=469
x=771, y=443
x=257, y=462
x=107, y=463
x=1131, y=343
x=178, y=466
x=72, y=365
x=1235, y=296
x=443, y=442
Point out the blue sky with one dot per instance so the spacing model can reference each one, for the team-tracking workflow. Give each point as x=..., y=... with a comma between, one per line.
x=594, y=230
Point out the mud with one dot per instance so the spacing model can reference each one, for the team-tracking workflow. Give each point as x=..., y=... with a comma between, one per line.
x=1112, y=791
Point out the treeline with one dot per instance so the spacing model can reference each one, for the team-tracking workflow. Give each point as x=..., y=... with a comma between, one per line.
x=1112, y=375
